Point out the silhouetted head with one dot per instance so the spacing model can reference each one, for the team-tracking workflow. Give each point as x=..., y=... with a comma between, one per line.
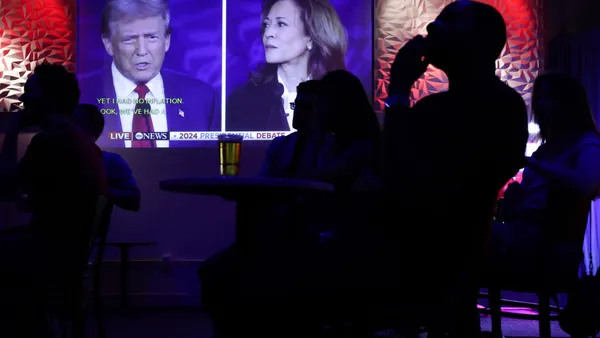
x=466, y=35
x=307, y=32
x=560, y=107
x=305, y=115
x=52, y=89
x=344, y=101
x=137, y=34
x=90, y=119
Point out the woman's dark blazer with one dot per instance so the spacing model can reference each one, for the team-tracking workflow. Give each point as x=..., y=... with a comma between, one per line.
x=257, y=106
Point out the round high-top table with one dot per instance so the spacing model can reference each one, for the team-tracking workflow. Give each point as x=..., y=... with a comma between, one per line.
x=246, y=191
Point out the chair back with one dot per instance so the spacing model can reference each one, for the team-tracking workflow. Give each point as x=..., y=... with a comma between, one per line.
x=99, y=220
x=98, y=245
x=63, y=289
x=69, y=247
x=100, y=228
x=581, y=315
x=565, y=258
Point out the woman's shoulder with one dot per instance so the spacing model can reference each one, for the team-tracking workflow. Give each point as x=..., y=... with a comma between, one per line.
x=283, y=144
x=283, y=141
x=250, y=105
x=263, y=75
x=592, y=138
x=586, y=141
x=589, y=143
x=258, y=85
x=112, y=158
x=241, y=90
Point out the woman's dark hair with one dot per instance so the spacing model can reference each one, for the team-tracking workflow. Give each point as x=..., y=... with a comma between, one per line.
x=305, y=115
x=329, y=40
x=90, y=119
x=351, y=117
x=348, y=108
x=571, y=114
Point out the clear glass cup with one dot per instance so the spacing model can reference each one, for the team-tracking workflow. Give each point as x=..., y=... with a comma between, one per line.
x=230, y=152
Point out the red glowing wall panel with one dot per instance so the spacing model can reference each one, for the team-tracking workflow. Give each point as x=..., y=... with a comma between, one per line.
x=31, y=32
x=397, y=21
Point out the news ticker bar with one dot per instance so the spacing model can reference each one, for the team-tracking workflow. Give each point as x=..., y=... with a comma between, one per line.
x=191, y=135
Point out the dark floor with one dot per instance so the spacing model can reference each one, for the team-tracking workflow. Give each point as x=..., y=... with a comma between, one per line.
x=191, y=323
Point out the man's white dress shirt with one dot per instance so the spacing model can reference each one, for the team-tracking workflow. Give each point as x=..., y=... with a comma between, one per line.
x=124, y=88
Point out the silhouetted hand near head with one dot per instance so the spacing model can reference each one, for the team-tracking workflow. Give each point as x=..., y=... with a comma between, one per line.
x=408, y=66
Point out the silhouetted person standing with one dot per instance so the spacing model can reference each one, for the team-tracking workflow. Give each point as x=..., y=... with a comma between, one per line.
x=446, y=159
x=63, y=175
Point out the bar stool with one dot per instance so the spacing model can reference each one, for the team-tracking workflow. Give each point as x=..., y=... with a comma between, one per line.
x=546, y=284
x=125, y=267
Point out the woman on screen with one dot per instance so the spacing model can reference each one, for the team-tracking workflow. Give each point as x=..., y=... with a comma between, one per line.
x=303, y=40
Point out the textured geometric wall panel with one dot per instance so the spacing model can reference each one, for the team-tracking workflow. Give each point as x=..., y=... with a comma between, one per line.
x=397, y=21
x=31, y=32
x=520, y=61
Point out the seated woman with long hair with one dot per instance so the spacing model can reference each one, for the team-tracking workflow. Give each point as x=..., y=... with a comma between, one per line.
x=336, y=143
x=546, y=215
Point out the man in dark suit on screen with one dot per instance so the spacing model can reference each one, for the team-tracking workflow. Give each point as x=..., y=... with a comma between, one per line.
x=135, y=94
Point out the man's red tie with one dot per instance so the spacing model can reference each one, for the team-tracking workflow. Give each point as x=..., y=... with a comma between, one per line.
x=142, y=120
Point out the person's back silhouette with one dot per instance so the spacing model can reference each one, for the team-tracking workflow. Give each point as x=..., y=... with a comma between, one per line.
x=448, y=156
x=122, y=187
x=61, y=163
x=63, y=176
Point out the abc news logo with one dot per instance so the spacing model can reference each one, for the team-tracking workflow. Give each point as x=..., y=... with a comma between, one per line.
x=155, y=136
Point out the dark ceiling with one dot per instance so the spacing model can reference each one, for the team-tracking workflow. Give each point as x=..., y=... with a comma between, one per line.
x=569, y=16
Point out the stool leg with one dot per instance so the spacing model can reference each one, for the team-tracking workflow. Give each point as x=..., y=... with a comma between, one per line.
x=495, y=297
x=124, y=277
x=544, y=315
x=98, y=311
